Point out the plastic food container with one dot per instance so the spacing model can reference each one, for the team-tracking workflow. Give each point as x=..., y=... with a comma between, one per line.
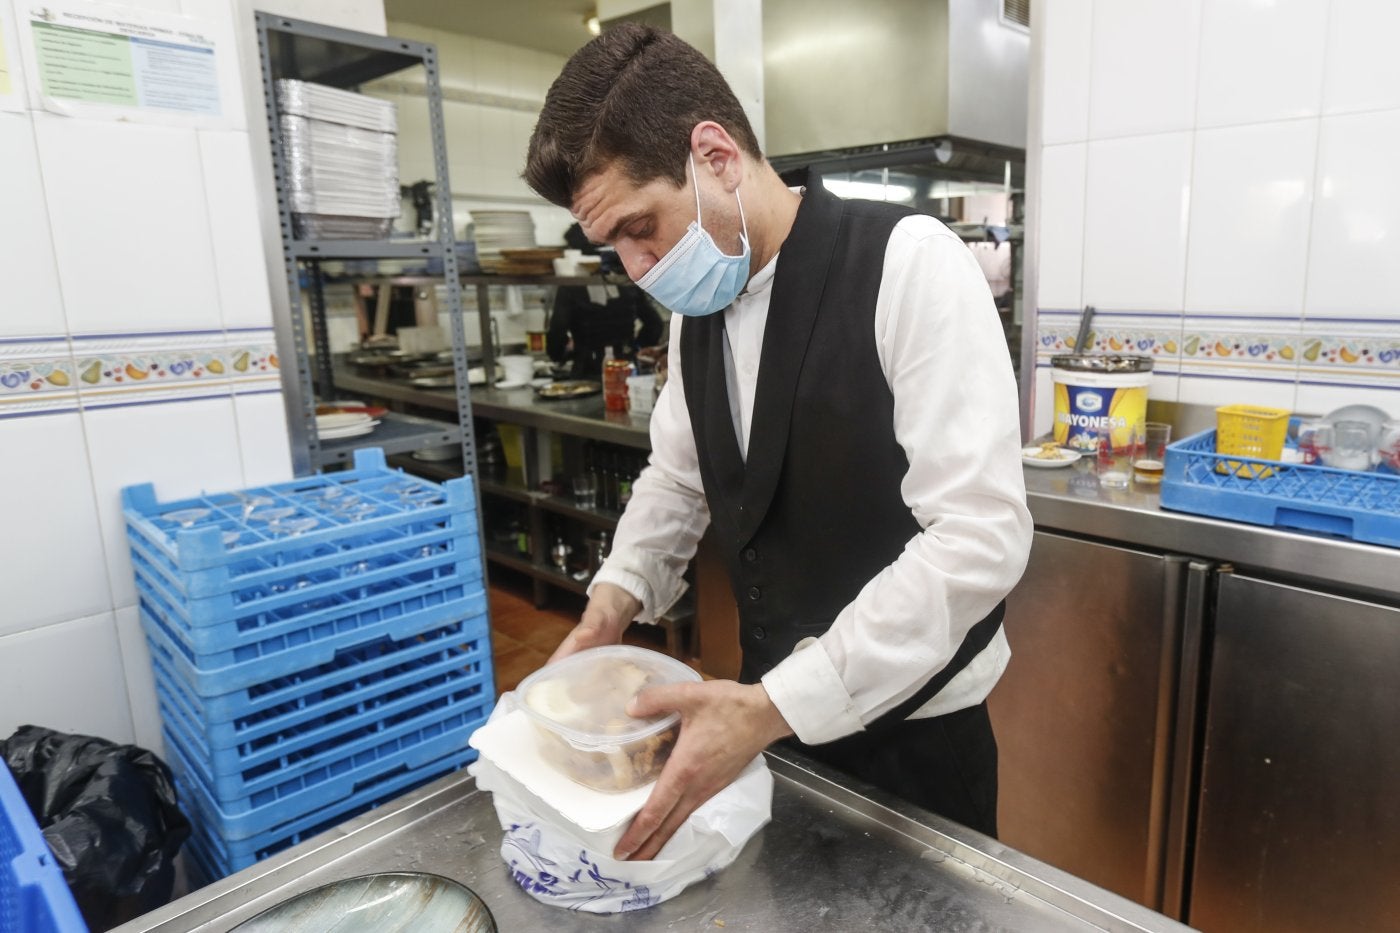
x=578, y=708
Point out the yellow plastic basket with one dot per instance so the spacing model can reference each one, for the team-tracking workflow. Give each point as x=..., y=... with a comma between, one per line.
x=1250, y=431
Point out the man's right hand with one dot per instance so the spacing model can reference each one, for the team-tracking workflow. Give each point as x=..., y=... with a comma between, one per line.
x=609, y=611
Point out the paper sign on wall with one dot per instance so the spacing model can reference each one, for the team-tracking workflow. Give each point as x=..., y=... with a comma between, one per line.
x=102, y=61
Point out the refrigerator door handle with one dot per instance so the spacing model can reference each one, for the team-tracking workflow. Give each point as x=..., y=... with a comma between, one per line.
x=1190, y=678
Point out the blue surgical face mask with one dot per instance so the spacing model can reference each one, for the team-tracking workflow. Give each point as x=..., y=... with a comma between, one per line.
x=695, y=277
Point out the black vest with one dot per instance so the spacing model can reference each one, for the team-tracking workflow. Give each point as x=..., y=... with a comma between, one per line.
x=816, y=511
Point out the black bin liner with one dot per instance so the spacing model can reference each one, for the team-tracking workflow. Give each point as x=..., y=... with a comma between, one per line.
x=109, y=814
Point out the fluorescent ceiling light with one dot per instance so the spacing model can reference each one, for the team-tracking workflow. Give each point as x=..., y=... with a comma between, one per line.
x=591, y=21
x=870, y=190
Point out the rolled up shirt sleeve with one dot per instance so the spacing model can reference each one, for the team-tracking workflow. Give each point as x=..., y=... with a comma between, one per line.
x=945, y=358
x=661, y=527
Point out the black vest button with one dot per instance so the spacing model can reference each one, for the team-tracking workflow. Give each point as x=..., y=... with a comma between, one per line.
x=750, y=554
x=759, y=633
x=755, y=593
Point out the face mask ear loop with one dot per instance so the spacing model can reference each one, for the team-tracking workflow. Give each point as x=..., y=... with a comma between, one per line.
x=742, y=219
x=695, y=180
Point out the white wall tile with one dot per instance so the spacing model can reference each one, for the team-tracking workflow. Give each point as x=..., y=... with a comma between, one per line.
x=67, y=677
x=240, y=263
x=493, y=70
x=1144, y=66
x=1319, y=399
x=30, y=302
x=182, y=447
x=140, y=680
x=493, y=175
x=263, y=439
x=1249, y=229
x=1135, y=222
x=1354, y=264
x=51, y=558
x=1064, y=104
x=1261, y=61
x=1043, y=402
x=1060, y=251
x=130, y=227
x=1216, y=391
x=1363, y=71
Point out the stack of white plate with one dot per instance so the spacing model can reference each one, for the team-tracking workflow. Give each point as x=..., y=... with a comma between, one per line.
x=341, y=151
x=498, y=230
x=344, y=424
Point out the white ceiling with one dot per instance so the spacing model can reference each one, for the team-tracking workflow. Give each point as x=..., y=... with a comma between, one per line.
x=545, y=25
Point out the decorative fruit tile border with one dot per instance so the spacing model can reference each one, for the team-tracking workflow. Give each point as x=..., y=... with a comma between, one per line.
x=251, y=360
x=36, y=376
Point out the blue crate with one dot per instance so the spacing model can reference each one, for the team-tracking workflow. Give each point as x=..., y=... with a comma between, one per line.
x=248, y=817
x=255, y=773
x=229, y=718
x=252, y=717
x=307, y=601
x=218, y=857
x=327, y=569
x=306, y=645
x=197, y=559
x=34, y=897
x=1313, y=498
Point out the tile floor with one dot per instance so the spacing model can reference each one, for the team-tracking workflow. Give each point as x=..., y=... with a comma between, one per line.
x=523, y=637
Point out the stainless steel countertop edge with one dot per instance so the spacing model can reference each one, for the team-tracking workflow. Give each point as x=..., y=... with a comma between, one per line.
x=1135, y=518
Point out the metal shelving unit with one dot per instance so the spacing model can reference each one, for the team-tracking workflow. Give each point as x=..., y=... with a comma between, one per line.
x=345, y=59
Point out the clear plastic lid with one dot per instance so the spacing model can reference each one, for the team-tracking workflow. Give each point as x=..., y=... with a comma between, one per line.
x=584, y=697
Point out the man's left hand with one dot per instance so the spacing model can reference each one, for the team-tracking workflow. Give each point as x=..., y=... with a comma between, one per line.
x=723, y=726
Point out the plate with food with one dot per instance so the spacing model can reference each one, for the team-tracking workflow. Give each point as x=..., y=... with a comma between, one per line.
x=571, y=388
x=1048, y=454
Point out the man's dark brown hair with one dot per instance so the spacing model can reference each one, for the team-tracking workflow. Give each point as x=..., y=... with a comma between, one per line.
x=632, y=95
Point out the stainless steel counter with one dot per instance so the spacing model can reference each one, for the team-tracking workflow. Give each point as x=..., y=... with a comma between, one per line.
x=834, y=858
x=583, y=417
x=1070, y=499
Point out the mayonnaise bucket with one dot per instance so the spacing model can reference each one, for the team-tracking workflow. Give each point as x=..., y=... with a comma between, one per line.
x=1095, y=390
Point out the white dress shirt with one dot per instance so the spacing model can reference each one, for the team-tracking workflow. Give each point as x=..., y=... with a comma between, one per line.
x=944, y=356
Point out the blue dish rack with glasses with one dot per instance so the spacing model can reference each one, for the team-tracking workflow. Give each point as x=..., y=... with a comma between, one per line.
x=1305, y=497
x=316, y=645
x=34, y=896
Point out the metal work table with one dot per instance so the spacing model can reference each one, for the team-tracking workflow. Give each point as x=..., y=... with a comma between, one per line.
x=582, y=417
x=834, y=858
x=1070, y=499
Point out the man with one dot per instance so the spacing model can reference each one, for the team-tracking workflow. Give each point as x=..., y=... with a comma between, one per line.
x=840, y=405
x=587, y=320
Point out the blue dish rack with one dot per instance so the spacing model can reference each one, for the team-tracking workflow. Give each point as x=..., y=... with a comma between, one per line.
x=34, y=896
x=303, y=678
x=1305, y=497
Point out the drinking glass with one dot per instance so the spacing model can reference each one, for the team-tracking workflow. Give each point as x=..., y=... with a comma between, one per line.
x=1314, y=440
x=586, y=491
x=1351, y=446
x=1150, y=457
x=1388, y=448
x=186, y=518
x=1112, y=469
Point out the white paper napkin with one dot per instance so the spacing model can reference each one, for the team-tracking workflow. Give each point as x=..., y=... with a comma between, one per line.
x=510, y=743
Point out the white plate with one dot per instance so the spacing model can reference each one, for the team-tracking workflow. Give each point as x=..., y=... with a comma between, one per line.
x=356, y=430
x=511, y=385
x=1066, y=458
x=340, y=421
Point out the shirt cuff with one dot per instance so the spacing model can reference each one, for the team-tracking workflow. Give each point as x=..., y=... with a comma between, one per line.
x=632, y=570
x=809, y=693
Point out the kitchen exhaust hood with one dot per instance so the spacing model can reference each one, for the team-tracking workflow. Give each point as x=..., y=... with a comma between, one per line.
x=840, y=74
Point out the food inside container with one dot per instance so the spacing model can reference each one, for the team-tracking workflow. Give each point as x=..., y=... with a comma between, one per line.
x=578, y=708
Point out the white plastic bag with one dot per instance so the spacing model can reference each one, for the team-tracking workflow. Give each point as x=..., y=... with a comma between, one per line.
x=558, y=862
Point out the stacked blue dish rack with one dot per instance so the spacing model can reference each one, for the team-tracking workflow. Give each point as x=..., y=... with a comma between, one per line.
x=319, y=646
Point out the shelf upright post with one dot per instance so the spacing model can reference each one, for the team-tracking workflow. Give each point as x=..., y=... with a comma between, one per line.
x=320, y=334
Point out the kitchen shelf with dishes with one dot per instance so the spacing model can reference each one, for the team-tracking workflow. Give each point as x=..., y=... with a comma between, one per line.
x=334, y=154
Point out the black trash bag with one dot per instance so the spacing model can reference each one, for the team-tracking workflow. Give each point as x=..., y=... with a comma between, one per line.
x=109, y=814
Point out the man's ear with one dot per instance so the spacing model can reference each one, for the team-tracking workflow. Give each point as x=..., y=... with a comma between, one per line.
x=716, y=152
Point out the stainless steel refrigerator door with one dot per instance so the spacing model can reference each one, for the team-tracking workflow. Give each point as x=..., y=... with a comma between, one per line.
x=1085, y=714
x=1299, y=819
